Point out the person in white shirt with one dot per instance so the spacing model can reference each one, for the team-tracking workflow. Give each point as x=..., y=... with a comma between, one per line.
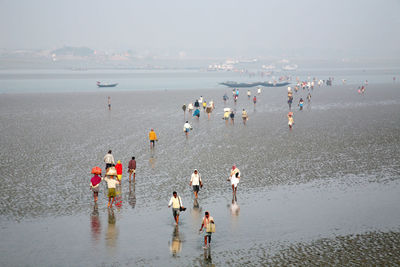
x=234, y=178
x=176, y=203
x=109, y=160
x=186, y=128
x=111, y=184
x=196, y=182
x=190, y=107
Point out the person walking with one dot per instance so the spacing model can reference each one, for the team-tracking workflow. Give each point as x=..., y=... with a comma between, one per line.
x=184, y=110
x=209, y=109
x=186, y=128
x=234, y=183
x=208, y=223
x=290, y=120
x=190, y=108
x=132, y=169
x=153, y=138
x=177, y=206
x=109, y=159
x=248, y=94
x=301, y=103
x=109, y=102
x=196, y=182
x=118, y=167
x=111, y=184
x=255, y=101
x=232, y=116
x=95, y=185
x=234, y=178
x=245, y=117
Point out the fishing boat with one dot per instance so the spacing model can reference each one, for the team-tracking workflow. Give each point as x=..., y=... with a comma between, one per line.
x=99, y=84
x=243, y=85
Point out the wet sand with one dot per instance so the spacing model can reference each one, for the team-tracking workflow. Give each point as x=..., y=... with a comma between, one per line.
x=335, y=175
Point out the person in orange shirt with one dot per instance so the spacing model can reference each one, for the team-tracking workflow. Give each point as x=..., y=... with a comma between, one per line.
x=152, y=137
x=118, y=167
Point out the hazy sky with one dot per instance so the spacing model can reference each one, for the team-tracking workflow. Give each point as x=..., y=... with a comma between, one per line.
x=206, y=27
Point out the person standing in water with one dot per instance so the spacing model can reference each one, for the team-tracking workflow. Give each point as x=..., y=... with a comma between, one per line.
x=209, y=110
x=186, y=128
x=95, y=186
x=109, y=160
x=184, y=110
x=309, y=98
x=190, y=108
x=197, y=104
x=132, y=169
x=254, y=101
x=225, y=97
x=204, y=105
x=109, y=102
x=234, y=183
x=196, y=113
x=301, y=103
x=234, y=178
x=196, y=182
x=290, y=120
x=259, y=90
x=118, y=167
x=111, y=184
x=232, y=116
x=245, y=117
x=176, y=203
x=226, y=116
x=207, y=219
x=153, y=138
x=248, y=94
x=290, y=101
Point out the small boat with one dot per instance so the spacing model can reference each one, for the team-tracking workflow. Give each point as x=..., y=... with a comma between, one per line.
x=99, y=84
x=265, y=84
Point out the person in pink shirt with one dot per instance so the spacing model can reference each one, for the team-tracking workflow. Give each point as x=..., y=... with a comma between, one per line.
x=94, y=185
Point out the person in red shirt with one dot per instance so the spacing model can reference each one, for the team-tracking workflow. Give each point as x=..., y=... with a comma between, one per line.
x=118, y=167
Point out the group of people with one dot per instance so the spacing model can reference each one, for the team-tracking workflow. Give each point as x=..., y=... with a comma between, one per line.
x=196, y=183
x=194, y=109
x=113, y=176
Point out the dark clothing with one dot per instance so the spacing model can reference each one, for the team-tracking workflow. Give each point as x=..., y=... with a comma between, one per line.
x=108, y=165
x=132, y=164
x=196, y=104
x=232, y=115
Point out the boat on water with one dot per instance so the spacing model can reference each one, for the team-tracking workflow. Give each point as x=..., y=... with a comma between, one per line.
x=99, y=84
x=243, y=85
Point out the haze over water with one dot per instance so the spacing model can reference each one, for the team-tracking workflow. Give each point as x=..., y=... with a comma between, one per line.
x=325, y=193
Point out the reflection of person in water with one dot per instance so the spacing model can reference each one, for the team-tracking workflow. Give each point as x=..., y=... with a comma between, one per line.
x=132, y=195
x=95, y=223
x=207, y=257
x=112, y=231
x=235, y=209
x=176, y=243
x=118, y=196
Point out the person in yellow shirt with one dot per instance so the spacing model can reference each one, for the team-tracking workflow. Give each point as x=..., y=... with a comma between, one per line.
x=152, y=137
x=207, y=219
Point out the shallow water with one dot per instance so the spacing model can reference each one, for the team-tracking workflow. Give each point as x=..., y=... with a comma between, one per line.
x=335, y=174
